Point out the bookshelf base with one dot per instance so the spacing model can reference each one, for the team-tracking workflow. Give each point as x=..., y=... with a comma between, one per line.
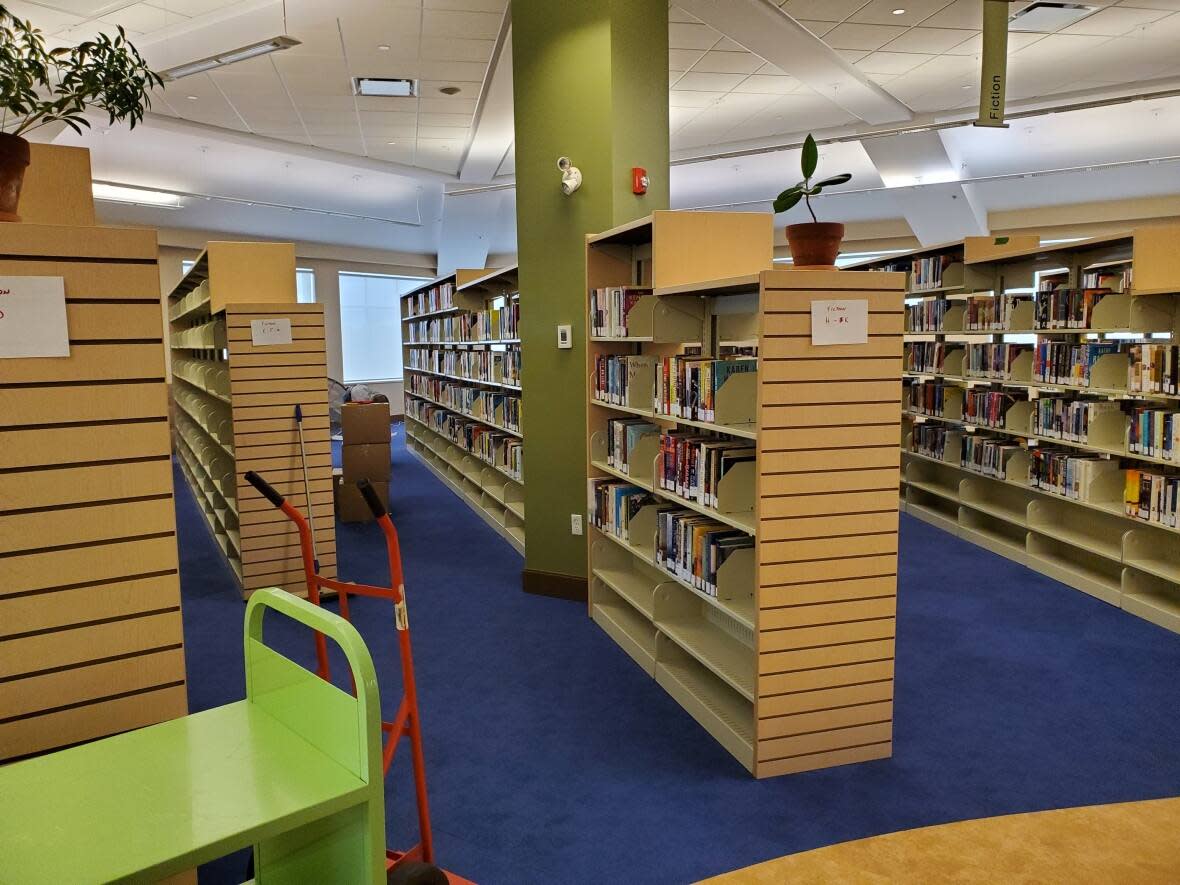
x=455, y=482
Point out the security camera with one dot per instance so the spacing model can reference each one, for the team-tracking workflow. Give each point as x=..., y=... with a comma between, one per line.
x=571, y=175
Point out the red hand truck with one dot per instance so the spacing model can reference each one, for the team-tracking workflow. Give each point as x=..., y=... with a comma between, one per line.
x=403, y=866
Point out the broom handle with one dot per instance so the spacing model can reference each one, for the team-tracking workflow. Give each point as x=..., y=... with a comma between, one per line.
x=306, y=485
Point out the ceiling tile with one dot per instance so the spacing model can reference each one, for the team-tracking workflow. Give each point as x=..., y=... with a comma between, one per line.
x=727, y=45
x=959, y=14
x=468, y=90
x=892, y=62
x=931, y=40
x=462, y=120
x=144, y=18
x=450, y=49
x=716, y=62
x=708, y=82
x=849, y=36
x=497, y=6
x=464, y=25
x=852, y=56
x=48, y=20
x=768, y=84
x=822, y=10
x=448, y=132
x=383, y=104
x=1152, y=4
x=683, y=98
x=682, y=59
x=1114, y=21
x=338, y=143
x=817, y=27
x=448, y=104
x=689, y=36
x=676, y=14
x=881, y=79
x=460, y=71
x=880, y=12
x=677, y=117
x=1017, y=40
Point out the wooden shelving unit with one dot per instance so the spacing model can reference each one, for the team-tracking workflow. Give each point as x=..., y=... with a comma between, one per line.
x=460, y=339
x=788, y=671
x=235, y=409
x=1087, y=542
x=90, y=629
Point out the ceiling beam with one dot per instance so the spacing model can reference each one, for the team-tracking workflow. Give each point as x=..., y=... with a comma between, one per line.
x=767, y=31
x=494, y=129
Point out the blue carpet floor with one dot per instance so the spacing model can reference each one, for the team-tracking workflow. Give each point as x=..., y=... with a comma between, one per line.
x=552, y=758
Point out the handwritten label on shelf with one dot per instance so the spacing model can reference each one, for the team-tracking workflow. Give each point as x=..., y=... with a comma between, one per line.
x=264, y=333
x=839, y=322
x=33, y=317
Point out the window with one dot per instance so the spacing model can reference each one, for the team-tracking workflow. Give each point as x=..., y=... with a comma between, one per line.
x=305, y=285
x=370, y=325
x=185, y=266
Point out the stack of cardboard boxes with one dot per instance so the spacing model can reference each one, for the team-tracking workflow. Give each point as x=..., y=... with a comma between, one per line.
x=365, y=427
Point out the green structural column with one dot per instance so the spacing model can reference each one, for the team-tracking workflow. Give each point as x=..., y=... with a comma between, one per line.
x=590, y=82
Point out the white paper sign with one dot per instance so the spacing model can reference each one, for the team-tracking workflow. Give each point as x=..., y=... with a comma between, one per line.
x=264, y=332
x=33, y=317
x=839, y=322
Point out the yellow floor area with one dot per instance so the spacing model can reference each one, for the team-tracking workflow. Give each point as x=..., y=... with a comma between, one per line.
x=1134, y=842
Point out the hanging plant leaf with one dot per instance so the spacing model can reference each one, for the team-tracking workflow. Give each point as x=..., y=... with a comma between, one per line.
x=787, y=199
x=810, y=158
x=834, y=180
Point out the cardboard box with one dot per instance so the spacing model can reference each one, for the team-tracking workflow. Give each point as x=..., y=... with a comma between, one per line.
x=365, y=423
x=370, y=461
x=350, y=503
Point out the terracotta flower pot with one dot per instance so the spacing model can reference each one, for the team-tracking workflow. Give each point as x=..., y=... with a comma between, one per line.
x=14, y=159
x=815, y=244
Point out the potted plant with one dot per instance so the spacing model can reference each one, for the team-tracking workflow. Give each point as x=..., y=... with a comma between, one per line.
x=40, y=86
x=817, y=243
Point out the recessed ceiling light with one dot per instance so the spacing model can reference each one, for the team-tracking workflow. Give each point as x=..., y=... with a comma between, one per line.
x=449, y=90
x=139, y=196
x=389, y=87
x=384, y=47
x=191, y=97
x=899, y=12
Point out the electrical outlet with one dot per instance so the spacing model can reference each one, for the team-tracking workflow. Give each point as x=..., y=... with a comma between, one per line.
x=565, y=337
x=575, y=523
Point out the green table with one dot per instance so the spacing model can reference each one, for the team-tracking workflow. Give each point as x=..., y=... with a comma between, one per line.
x=294, y=771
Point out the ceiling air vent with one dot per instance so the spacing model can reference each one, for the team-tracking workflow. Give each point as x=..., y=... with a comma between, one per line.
x=385, y=86
x=1048, y=18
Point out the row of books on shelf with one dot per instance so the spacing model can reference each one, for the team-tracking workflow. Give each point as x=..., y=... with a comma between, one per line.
x=437, y=297
x=1063, y=308
x=468, y=327
x=493, y=407
x=985, y=313
x=497, y=366
x=1060, y=362
x=1153, y=368
x=678, y=386
x=1154, y=433
x=489, y=445
x=926, y=356
x=926, y=273
x=992, y=360
x=1152, y=497
x=1117, y=279
x=1148, y=495
x=987, y=408
x=926, y=316
x=609, y=309
x=1059, y=417
x=688, y=545
x=929, y=398
x=690, y=465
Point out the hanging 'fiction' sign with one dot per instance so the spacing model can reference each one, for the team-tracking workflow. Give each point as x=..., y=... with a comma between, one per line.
x=993, y=81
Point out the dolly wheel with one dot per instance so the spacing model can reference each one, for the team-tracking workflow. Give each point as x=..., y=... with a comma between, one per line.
x=415, y=873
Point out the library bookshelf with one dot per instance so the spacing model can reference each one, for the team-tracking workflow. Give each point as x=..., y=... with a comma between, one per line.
x=90, y=630
x=784, y=651
x=1068, y=348
x=235, y=409
x=461, y=361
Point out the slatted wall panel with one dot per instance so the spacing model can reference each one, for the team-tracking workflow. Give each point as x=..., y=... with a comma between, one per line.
x=90, y=631
x=266, y=383
x=828, y=457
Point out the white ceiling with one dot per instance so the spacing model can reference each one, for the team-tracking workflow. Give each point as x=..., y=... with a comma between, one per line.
x=286, y=128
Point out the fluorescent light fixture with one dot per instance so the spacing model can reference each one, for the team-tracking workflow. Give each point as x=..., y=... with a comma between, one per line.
x=139, y=196
x=253, y=50
x=387, y=87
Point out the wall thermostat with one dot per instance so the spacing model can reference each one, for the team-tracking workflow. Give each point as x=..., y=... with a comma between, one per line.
x=565, y=338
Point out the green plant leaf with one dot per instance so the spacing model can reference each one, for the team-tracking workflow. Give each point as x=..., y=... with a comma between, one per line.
x=834, y=180
x=810, y=158
x=787, y=199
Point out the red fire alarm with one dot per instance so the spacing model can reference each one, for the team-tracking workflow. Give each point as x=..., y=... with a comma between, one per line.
x=638, y=180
